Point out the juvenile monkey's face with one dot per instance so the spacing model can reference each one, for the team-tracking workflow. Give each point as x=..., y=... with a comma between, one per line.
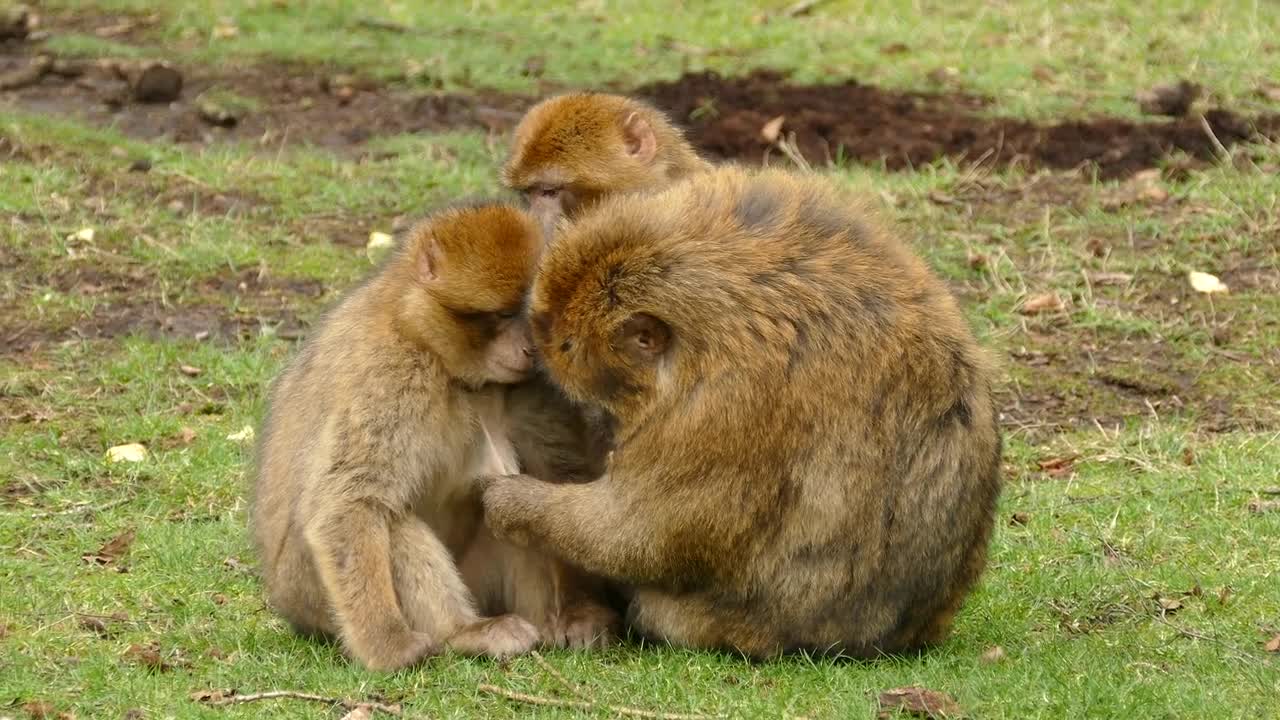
x=474, y=267
x=509, y=356
x=550, y=200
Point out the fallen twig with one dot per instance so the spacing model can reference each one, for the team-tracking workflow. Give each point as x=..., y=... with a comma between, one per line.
x=214, y=698
x=568, y=684
x=1224, y=155
x=590, y=705
x=804, y=7
x=82, y=508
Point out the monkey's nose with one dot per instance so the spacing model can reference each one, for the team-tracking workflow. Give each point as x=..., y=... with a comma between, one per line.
x=528, y=351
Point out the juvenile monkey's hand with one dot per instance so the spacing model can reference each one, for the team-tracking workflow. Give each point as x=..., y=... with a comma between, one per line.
x=508, y=505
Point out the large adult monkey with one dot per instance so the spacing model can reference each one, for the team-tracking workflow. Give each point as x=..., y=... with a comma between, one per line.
x=807, y=455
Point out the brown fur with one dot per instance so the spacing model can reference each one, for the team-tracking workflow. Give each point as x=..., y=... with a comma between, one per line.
x=807, y=454
x=570, y=151
x=365, y=510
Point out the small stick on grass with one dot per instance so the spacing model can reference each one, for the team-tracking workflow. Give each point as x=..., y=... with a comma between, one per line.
x=591, y=705
x=568, y=685
x=345, y=703
x=1224, y=155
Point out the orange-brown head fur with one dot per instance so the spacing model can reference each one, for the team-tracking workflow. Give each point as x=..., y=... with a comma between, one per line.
x=569, y=151
x=462, y=277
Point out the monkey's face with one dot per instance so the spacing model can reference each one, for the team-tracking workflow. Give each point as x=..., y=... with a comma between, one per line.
x=509, y=355
x=548, y=202
x=612, y=364
x=474, y=267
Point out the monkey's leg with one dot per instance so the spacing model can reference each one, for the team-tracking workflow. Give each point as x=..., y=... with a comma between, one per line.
x=294, y=588
x=694, y=621
x=586, y=524
x=351, y=546
x=533, y=584
x=437, y=601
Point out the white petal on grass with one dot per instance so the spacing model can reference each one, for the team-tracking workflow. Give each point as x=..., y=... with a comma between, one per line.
x=131, y=452
x=378, y=245
x=244, y=434
x=1206, y=283
x=83, y=235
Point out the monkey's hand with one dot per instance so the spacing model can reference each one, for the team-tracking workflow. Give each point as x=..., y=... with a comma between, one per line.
x=509, y=505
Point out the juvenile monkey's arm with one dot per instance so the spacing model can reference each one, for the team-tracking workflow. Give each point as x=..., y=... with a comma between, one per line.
x=588, y=525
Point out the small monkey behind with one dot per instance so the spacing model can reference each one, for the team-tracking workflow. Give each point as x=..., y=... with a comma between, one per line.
x=570, y=151
x=365, y=511
x=806, y=450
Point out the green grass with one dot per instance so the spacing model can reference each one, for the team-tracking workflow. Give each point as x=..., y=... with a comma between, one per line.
x=1096, y=52
x=1156, y=507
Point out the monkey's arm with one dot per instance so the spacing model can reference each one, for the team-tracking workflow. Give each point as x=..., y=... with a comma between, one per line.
x=588, y=525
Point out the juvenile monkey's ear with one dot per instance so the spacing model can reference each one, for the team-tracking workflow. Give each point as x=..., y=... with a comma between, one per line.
x=427, y=258
x=645, y=336
x=638, y=138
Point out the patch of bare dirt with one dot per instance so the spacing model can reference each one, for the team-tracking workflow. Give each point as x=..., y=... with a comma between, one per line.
x=865, y=124
x=275, y=104
x=228, y=307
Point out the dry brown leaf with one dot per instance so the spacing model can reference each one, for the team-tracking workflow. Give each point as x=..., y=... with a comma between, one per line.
x=1058, y=466
x=1273, y=645
x=38, y=709
x=97, y=626
x=993, y=655
x=1042, y=303
x=186, y=435
x=1224, y=595
x=896, y=48
x=1259, y=507
x=1270, y=91
x=113, y=549
x=1019, y=518
x=919, y=702
x=1168, y=605
x=772, y=130
x=149, y=656
x=189, y=370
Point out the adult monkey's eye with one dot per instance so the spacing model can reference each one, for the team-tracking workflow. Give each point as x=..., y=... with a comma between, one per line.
x=506, y=314
x=548, y=192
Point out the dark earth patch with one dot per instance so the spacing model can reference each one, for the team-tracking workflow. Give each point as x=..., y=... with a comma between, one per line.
x=842, y=122
x=860, y=123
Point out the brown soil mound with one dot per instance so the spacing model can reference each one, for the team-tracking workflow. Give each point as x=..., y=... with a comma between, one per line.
x=865, y=124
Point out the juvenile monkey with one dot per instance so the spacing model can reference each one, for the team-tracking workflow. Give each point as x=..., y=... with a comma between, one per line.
x=572, y=150
x=807, y=455
x=365, y=510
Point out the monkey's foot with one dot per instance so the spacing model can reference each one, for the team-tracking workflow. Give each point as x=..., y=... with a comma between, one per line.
x=392, y=652
x=497, y=637
x=584, y=627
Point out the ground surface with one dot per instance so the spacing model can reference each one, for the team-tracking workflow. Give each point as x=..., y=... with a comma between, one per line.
x=1136, y=569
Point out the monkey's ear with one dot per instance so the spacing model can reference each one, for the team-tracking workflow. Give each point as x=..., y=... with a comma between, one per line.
x=427, y=260
x=645, y=336
x=638, y=138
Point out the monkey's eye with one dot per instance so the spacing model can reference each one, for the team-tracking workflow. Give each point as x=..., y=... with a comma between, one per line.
x=506, y=314
x=548, y=192
x=566, y=346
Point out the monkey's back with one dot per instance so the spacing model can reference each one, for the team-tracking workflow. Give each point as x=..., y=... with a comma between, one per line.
x=834, y=394
x=351, y=386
